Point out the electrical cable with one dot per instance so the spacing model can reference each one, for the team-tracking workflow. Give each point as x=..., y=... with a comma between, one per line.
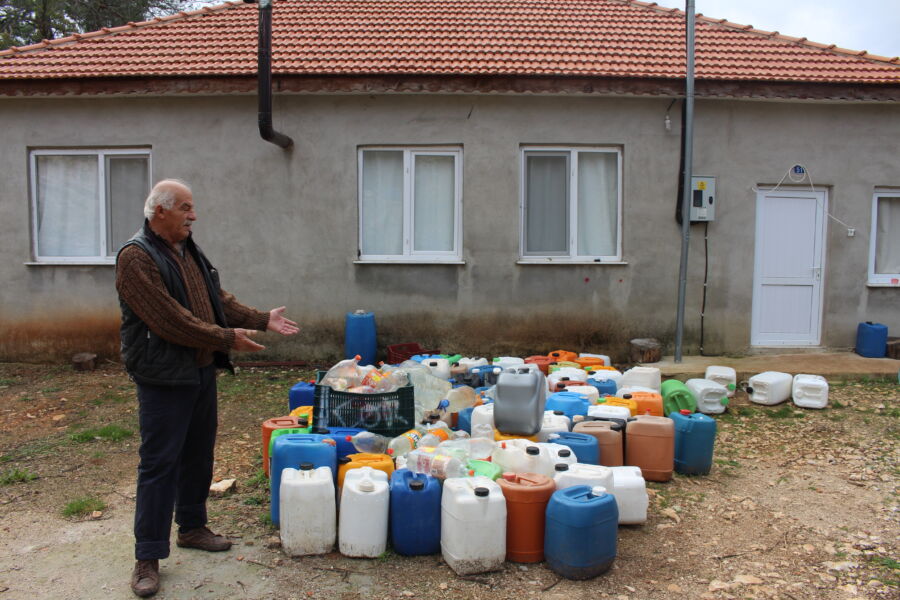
x=705, y=280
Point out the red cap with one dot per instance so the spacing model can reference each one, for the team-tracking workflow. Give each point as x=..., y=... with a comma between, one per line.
x=348, y=438
x=683, y=411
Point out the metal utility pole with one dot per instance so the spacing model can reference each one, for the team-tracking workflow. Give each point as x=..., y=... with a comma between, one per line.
x=688, y=151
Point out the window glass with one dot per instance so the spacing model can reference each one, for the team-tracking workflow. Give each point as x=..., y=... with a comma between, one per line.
x=67, y=210
x=127, y=182
x=382, y=202
x=597, y=203
x=434, y=203
x=887, y=236
x=546, y=204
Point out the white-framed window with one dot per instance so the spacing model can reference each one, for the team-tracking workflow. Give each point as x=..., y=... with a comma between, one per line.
x=85, y=203
x=571, y=204
x=884, y=244
x=410, y=204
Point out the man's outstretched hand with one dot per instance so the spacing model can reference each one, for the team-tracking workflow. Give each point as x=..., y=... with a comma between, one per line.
x=279, y=324
x=243, y=343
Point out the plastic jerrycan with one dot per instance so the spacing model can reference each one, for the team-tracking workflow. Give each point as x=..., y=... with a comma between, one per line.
x=648, y=403
x=293, y=449
x=363, y=518
x=625, y=400
x=483, y=413
x=586, y=390
x=488, y=373
x=563, y=355
x=359, y=336
x=605, y=387
x=580, y=533
x=504, y=362
x=581, y=474
x=810, y=391
x=650, y=445
x=543, y=363
x=301, y=394
x=871, y=339
x=555, y=421
x=473, y=525
x=308, y=523
x=677, y=397
x=649, y=377
x=415, y=513
x=583, y=445
x=711, y=397
x=499, y=436
x=519, y=402
x=609, y=435
x=724, y=376
x=695, y=438
x=570, y=403
x=339, y=435
x=526, y=496
x=280, y=432
x=268, y=427
x=770, y=387
x=484, y=468
x=517, y=456
x=554, y=454
x=630, y=491
x=440, y=367
x=589, y=361
x=379, y=462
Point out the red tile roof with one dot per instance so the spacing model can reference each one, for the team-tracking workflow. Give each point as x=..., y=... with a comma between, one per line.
x=585, y=38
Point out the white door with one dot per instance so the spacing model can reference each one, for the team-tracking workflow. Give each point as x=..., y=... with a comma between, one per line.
x=789, y=261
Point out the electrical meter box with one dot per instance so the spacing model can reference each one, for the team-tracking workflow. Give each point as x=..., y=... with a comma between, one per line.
x=703, y=196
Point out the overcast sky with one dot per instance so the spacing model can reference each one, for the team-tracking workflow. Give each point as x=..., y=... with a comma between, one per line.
x=872, y=25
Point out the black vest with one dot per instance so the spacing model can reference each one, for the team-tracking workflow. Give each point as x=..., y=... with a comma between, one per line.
x=148, y=358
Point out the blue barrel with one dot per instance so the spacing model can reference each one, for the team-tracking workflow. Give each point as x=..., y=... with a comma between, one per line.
x=301, y=395
x=871, y=340
x=415, y=513
x=583, y=445
x=695, y=437
x=607, y=387
x=580, y=532
x=292, y=449
x=359, y=337
x=339, y=435
x=570, y=403
x=464, y=421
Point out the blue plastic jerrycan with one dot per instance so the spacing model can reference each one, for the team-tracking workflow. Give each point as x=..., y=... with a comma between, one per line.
x=583, y=445
x=415, y=513
x=292, y=449
x=695, y=437
x=570, y=403
x=301, y=394
x=580, y=532
x=359, y=336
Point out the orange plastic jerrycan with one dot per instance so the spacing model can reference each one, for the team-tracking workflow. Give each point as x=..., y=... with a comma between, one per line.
x=543, y=363
x=628, y=403
x=379, y=462
x=527, y=495
x=268, y=427
x=648, y=403
x=499, y=436
x=650, y=445
x=563, y=355
x=589, y=361
x=609, y=436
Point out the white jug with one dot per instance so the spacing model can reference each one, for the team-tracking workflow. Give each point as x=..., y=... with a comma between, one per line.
x=440, y=367
x=583, y=474
x=365, y=504
x=473, y=525
x=553, y=423
x=307, y=510
x=711, y=397
x=649, y=377
x=724, y=376
x=770, y=387
x=810, y=391
x=630, y=491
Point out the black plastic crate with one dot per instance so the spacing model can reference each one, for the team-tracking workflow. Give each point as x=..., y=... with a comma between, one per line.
x=388, y=413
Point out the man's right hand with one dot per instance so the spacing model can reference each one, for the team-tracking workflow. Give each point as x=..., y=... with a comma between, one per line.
x=243, y=343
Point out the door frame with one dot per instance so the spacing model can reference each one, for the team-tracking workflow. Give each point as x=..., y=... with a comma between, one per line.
x=821, y=238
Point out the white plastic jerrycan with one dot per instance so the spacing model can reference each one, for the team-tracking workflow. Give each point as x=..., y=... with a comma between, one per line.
x=770, y=387
x=554, y=422
x=649, y=377
x=473, y=525
x=481, y=414
x=504, y=362
x=589, y=391
x=583, y=474
x=810, y=391
x=553, y=454
x=439, y=367
x=307, y=510
x=711, y=397
x=724, y=376
x=570, y=372
x=470, y=362
x=518, y=456
x=365, y=504
x=630, y=491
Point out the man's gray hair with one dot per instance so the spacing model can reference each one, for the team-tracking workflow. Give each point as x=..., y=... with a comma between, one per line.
x=163, y=194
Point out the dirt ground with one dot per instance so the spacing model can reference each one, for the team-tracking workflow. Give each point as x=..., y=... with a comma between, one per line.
x=800, y=504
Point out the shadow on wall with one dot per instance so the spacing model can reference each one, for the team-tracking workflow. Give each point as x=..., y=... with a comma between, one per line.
x=322, y=340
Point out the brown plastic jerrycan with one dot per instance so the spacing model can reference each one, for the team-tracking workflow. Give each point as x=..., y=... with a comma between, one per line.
x=609, y=440
x=650, y=445
x=527, y=495
x=268, y=427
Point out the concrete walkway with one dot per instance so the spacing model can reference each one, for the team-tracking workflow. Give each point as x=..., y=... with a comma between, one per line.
x=831, y=365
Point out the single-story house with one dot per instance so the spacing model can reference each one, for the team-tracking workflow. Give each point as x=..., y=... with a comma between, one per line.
x=490, y=176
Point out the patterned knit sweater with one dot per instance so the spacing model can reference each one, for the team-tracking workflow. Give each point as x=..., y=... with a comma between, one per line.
x=141, y=287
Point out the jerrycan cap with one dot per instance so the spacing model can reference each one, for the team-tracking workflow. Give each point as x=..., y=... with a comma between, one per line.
x=417, y=485
x=344, y=460
x=684, y=411
x=532, y=450
x=482, y=492
x=565, y=453
x=303, y=422
x=367, y=485
x=626, y=396
x=558, y=412
x=509, y=476
x=561, y=467
x=564, y=379
x=306, y=466
x=598, y=491
x=724, y=401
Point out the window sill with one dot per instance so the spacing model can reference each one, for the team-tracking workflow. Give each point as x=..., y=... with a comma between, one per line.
x=409, y=262
x=70, y=263
x=567, y=261
x=880, y=284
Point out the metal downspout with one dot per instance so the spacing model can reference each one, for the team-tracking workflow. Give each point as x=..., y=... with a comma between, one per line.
x=264, y=78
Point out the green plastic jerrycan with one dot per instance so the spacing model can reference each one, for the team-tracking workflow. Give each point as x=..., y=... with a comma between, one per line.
x=677, y=397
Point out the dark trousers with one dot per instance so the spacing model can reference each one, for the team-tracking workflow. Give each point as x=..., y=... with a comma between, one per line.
x=178, y=434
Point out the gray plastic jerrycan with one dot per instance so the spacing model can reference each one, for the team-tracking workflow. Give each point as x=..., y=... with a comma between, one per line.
x=519, y=401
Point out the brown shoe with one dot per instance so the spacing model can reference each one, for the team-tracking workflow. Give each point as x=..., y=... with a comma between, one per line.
x=145, y=578
x=202, y=539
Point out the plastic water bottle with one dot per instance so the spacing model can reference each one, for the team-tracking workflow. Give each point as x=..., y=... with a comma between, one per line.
x=434, y=436
x=405, y=443
x=371, y=443
x=457, y=399
x=439, y=466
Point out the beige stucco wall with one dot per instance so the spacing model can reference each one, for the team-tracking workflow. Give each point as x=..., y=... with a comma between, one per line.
x=282, y=227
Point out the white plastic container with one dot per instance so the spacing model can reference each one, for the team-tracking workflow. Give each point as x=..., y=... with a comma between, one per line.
x=606, y=361
x=724, y=376
x=583, y=474
x=630, y=491
x=589, y=391
x=473, y=525
x=648, y=377
x=518, y=456
x=810, y=391
x=770, y=387
x=553, y=423
x=631, y=389
x=570, y=372
x=483, y=430
x=439, y=367
x=307, y=520
x=711, y=397
x=553, y=454
x=483, y=413
x=527, y=366
x=608, y=411
x=365, y=504
x=504, y=362
x=470, y=362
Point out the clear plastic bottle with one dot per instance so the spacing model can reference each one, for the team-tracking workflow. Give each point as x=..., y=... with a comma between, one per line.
x=344, y=375
x=406, y=442
x=457, y=399
x=483, y=430
x=434, y=436
x=366, y=441
x=437, y=465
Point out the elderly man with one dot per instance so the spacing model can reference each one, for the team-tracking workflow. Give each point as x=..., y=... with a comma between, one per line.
x=178, y=325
